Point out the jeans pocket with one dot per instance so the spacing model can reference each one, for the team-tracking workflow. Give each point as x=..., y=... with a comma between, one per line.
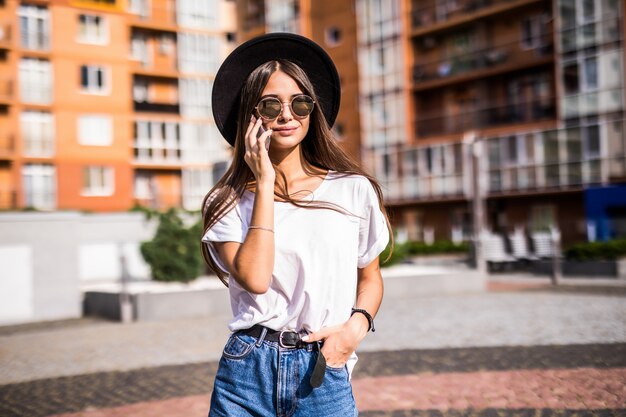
x=237, y=347
x=333, y=369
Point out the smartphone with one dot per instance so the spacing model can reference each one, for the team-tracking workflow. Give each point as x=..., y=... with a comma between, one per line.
x=260, y=132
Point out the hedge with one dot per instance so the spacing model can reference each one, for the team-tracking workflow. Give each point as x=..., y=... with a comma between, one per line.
x=402, y=250
x=597, y=251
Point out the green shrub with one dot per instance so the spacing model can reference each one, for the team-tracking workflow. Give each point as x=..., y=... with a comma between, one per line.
x=439, y=247
x=173, y=254
x=403, y=250
x=398, y=255
x=597, y=251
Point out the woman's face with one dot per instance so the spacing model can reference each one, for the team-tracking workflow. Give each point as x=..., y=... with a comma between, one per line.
x=288, y=129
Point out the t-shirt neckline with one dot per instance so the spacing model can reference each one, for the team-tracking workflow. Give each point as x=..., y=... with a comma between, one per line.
x=316, y=193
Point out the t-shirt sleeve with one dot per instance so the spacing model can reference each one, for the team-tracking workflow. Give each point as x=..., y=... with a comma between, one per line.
x=373, y=232
x=230, y=228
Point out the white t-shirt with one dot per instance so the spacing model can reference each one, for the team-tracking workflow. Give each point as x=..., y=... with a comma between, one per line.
x=317, y=253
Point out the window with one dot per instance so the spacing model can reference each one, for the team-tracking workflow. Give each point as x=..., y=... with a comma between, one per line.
x=591, y=135
x=34, y=27
x=157, y=141
x=94, y=79
x=542, y=217
x=282, y=16
x=35, y=81
x=201, y=14
x=571, y=78
x=39, y=186
x=339, y=130
x=37, y=128
x=195, y=97
x=144, y=186
x=139, y=7
x=166, y=44
x=198, y=53
x=139, y=49
x=591, y=73
x=98, y=181
x=333, y=36
x=92, y=29
x=95, y=130
x=196, y=183
x=534, y=32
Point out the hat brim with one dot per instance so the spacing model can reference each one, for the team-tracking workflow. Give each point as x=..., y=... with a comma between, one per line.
x=236, y=68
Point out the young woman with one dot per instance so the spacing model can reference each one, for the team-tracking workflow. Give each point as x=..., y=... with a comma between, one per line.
x=294, y=228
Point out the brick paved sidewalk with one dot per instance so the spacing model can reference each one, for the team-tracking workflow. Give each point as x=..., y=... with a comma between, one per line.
x=480, y=381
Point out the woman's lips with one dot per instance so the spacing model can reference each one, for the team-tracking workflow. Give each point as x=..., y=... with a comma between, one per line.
x=285, y=131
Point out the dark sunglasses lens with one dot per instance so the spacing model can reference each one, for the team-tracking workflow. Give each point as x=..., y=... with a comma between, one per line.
x=302, y=105
x=269, y=108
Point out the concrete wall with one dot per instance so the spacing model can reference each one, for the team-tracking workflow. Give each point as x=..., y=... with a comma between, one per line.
x=45, y=259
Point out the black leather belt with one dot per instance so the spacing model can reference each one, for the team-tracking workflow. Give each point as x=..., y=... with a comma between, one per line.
x=291, y=339
x=284, y=338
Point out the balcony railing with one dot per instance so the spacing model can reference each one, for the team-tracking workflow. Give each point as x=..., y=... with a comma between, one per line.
x=156, y=107
x=157, y=156
x=506, y=55
x=592, y=102
x=486, y=117
x=459, y=9
x=600, y=32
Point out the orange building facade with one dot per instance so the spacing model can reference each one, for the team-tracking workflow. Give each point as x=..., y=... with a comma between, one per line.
x=102, y=109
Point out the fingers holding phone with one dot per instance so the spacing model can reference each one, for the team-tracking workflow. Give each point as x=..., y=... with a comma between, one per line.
x=257, y=147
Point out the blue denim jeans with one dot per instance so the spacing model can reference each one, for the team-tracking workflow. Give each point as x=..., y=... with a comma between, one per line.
x=259, y=378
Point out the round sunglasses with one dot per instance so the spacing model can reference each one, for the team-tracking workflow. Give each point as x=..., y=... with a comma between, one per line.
x=270, y=108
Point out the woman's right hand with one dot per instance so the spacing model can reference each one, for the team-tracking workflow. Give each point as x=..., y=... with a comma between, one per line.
x=256, y=155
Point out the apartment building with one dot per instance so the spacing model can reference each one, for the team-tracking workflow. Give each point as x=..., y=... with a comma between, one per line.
x=535, y=87
x=105, y=104
x=332, y=24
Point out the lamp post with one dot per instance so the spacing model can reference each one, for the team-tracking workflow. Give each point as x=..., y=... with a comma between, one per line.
x=478, y=187
x=126, y=307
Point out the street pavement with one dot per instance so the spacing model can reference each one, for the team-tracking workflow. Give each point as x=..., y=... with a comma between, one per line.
x=521, y=348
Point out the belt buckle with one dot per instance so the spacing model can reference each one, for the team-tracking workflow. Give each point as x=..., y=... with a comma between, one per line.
x=280, y=338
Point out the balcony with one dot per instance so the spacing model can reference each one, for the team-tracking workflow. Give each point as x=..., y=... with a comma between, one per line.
x=592, y=103
x=154, y=53
x=5, y=36
x=432, y=18
x=479, y=63
x=155, y=15
x=486, y=117
x=154, y=94
x=601, y=32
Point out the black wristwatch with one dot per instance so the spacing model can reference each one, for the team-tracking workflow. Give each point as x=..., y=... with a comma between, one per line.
x=370, y=319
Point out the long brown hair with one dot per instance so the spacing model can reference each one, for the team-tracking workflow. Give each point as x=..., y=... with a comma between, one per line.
x=318, y=150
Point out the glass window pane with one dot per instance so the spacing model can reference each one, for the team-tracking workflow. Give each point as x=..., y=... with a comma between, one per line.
x=570, y=78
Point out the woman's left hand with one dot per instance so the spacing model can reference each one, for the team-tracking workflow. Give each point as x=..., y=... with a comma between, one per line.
x=339, y=341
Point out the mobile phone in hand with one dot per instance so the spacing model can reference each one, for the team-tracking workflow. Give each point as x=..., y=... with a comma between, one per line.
x=262, y=130
x=267, y=140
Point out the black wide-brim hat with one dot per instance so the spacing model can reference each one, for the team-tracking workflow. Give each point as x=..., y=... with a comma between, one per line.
x=236, y=68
